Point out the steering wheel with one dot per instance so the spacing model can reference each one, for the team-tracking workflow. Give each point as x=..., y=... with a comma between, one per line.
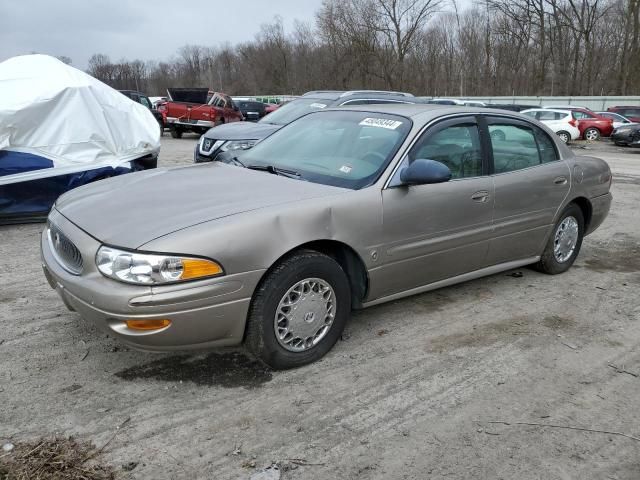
x=375, y=158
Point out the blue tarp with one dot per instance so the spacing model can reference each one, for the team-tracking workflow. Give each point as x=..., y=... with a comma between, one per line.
x=18, y=162
x=32, y=199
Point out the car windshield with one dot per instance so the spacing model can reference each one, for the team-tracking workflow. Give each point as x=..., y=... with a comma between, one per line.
x=294, y=110
x=344, y=149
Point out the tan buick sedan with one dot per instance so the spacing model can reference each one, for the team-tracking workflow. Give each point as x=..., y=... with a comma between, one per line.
x=340, y=210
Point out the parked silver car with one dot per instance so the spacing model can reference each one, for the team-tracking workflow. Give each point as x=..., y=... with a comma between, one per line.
x=340, y=210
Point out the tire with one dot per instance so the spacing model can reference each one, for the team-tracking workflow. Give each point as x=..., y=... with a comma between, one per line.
x=592, y=134
x=550, y=263
x=300, y=270
x=175, y=133
x=565, y=137
x=160, y=124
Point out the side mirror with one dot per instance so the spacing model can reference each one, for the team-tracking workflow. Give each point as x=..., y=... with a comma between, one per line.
x=422, y=172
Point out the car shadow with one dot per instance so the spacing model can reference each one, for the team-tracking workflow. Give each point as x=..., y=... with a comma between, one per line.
x=223, y=369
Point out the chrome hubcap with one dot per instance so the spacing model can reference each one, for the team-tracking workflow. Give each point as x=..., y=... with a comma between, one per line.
x=565, y=240
x=592, y=135
x=305, y=314
x=564, y=137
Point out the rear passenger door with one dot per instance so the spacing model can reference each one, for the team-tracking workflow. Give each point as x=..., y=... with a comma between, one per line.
x=531, y=182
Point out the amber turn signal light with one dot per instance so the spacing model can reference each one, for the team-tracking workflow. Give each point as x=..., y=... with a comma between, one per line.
x=196, y=268
x=148, y=324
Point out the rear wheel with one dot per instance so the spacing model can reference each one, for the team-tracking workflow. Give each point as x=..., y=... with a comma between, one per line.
x=565, y=242
x=565, y=137
x=592, y=134
x=299, y=310
x=176, y=133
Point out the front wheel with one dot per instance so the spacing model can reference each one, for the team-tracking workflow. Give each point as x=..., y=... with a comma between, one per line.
x=565, y=242
x=176, y=133
x=592, y=134
x=299, y=310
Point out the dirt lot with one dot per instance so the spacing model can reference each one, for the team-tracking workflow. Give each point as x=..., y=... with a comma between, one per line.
x=411, y=392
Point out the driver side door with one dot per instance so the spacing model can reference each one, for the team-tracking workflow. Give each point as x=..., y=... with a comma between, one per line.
x=436, y=231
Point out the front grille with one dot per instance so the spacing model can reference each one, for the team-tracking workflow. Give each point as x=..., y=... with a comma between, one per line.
x=64, y=251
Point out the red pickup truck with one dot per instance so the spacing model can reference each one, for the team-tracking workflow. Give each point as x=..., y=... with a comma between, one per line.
x=197, y=110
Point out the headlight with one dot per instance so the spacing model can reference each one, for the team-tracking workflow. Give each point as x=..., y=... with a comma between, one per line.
x=209, y=144
x=153, y=269
x=238, y=145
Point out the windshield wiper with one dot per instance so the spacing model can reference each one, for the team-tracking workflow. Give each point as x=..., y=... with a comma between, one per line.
x=276, y=171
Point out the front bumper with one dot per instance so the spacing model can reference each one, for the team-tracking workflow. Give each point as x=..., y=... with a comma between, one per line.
x=204, y=314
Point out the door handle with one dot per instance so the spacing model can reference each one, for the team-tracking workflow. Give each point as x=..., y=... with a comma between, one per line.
x=480, y=196
x=560, y=180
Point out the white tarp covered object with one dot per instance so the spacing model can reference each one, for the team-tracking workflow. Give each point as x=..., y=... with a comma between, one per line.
x=57, y=121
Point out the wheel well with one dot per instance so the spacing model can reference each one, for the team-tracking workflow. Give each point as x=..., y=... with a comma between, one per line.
x=587, y=210
x=348, y=259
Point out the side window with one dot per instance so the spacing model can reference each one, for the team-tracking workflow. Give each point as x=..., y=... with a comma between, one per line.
x=218, y=102
x=457, y=146
x=514, y=147
x=546, y=146
x=533, y=114
x=145, y=101
x=580, y=115
x=549, y=115
x=229, y=101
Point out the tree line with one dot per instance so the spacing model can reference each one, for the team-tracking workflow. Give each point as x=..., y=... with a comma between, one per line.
x=427, y=47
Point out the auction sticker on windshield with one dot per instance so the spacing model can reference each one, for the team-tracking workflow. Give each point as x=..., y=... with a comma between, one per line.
x=381, y=122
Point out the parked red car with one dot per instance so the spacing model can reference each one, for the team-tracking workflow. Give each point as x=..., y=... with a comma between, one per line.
x=631, y=112
x=591, y=125
x=271, y=107
x=196, y=110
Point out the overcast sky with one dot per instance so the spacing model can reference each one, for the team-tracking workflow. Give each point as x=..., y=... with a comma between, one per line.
x=131, y=29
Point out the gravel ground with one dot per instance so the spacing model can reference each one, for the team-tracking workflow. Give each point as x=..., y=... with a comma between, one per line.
x=439, y=385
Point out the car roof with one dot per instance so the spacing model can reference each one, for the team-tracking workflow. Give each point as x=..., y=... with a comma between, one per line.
x=539, y=109
x=342, y=94
x=424, y=111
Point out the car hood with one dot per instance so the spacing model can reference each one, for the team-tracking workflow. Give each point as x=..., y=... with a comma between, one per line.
x=242, y=131
x=133, y=209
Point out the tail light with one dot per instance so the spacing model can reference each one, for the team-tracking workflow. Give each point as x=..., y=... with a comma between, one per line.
x=573, y=122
